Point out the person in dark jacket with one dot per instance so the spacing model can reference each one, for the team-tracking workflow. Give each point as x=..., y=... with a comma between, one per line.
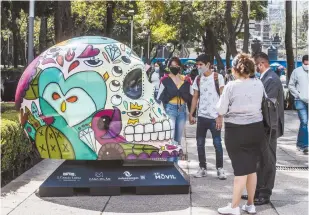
x=174, y=92
x=267, y=166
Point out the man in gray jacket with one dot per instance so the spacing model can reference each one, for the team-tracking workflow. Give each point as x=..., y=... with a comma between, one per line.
x=267, y=166
x=298, y=86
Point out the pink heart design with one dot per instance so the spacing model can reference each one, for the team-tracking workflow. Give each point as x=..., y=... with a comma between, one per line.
x=89, y=52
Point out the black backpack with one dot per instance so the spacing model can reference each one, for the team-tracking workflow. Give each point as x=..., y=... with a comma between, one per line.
x=270, y=112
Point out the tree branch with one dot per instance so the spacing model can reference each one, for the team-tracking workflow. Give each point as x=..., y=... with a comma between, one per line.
x=237, y=23
x=240, y=27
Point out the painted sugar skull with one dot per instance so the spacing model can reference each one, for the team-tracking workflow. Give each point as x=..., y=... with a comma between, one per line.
x=89, y=98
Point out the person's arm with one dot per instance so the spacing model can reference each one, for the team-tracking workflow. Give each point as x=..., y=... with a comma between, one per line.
x=224, y=101
x=292, y=85
x=194, y=102
x=221, y=83
x=195, y=98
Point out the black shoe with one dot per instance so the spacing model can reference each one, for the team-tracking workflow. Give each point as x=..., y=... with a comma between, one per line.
x=305, y=150
x=261, y=201
x=244, y=197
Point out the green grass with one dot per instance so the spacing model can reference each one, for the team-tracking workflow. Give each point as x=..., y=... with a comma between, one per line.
x=8, y=111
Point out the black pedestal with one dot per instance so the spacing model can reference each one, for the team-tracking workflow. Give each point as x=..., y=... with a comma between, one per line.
x=111, y=178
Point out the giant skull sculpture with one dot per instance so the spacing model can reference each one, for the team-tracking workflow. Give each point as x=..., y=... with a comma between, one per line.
x=89, y=98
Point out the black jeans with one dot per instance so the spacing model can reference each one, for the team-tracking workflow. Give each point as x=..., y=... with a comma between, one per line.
x=203, y=124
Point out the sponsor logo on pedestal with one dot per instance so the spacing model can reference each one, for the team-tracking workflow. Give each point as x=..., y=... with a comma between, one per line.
x=69, y=176
x=127, y=177
x=99, y=177
x=161, y=176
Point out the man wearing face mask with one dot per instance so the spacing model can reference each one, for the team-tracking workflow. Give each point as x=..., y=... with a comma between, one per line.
x=207, y=87
x=155, y=78
x=266, y=172
x=298, y=86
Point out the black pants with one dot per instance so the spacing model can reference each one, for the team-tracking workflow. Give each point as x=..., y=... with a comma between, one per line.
x=266, y=172
x=203, y=125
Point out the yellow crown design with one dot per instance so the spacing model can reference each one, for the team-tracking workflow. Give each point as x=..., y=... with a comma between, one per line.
x=135, y=106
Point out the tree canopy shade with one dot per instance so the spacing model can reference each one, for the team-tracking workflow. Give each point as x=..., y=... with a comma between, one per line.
x=213, y=23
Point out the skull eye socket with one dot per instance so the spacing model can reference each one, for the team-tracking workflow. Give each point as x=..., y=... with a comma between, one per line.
x=104, y=122
x=132, y=84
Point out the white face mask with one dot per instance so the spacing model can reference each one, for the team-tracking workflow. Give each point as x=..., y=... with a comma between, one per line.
x=305, y=67
x=202, y=69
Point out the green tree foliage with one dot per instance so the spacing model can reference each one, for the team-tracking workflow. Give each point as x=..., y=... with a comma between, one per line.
x=178, y=22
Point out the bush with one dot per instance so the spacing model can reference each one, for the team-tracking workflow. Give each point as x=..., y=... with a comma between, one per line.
x=17, y=153
x=8, y=111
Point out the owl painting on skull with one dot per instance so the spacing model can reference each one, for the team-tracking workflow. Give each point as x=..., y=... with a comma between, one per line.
x=89, y=98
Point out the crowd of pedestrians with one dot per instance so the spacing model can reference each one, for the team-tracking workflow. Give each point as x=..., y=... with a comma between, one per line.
x=241, y=100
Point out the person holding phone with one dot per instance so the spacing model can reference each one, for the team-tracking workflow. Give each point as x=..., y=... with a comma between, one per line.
x=207, y=88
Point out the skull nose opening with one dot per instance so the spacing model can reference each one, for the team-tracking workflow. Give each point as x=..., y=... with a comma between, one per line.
x=132, y=84
x=104, y=122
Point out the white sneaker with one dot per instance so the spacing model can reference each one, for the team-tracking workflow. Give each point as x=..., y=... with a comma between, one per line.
x=221, y=174
x=249, y=208
x=229, y=210
x=201, y=173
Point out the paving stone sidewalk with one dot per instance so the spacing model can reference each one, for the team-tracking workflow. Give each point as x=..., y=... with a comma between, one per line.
x=290, y=194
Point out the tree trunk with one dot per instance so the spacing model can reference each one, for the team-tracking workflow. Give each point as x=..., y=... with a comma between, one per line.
x=230, y=28
x=15, y=54
x=289, y=46
x=208, y=42
x=220, y=63
x=227, y=57
x=3, y=50
x=110, y=5
x=246, y=26
x=43, y=34
x=63, y=21
x=288, y=38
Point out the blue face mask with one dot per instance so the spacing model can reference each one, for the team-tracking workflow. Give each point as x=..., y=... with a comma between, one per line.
x=157, y=69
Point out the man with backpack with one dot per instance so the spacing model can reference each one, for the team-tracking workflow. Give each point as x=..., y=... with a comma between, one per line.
x=207, y=87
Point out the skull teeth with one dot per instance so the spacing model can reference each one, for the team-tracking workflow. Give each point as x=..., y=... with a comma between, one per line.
x=149, y=132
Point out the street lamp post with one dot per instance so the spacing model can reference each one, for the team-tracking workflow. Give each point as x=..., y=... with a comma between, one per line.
x=142, y=52
x=31, y=29
x=296, y=35
x=148, y=44
x=132, y=33
x=131, y=12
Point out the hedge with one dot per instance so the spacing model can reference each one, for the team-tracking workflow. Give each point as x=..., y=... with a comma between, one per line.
x=17, y=153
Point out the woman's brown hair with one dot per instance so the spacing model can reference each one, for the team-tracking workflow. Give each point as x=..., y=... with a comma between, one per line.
x=243, y=64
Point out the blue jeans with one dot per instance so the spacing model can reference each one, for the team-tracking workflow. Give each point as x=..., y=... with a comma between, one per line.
x=302, y=110
x=203, y=124
x=178, y=116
